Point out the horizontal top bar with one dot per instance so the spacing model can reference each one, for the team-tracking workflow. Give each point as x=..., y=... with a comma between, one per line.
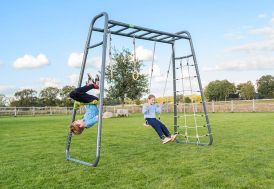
x=129, y=30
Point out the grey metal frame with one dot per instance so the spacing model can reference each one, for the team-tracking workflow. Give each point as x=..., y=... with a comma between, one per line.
x=132, y=31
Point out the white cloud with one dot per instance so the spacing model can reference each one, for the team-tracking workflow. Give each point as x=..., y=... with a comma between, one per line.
x=262, y=15
x=144, y=54
x=267, y=45
x=95, y=62
x=259, y=62
x=272, y=21
x=156, y=71
x=261, y=45
x=30, y=62
x=268, y=31
x=157, y=75
x=235, y=36
x=73, y=79
x=75, y=60
x=7, y=89
x=50, y=82
x=258, y=55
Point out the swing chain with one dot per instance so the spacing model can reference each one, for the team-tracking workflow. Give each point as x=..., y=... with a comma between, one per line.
x=152, y=63
x=110, y=56
x=135, y=74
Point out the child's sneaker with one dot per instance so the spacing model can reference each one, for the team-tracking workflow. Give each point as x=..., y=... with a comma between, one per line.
x=90, y=80
x=96, y=82
x=173, y=137
x=166, y=140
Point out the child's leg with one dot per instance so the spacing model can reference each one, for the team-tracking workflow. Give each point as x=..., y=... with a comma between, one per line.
x=164, y=129
x=79, y=94
x=84, y=89
x=153, y=122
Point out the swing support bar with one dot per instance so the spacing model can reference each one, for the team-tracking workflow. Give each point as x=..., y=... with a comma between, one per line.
x=131, y=31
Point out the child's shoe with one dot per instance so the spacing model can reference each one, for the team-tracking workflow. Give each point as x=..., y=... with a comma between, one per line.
x=90, y=80
x=173, y=137
x=166, y=140
x=96, y=82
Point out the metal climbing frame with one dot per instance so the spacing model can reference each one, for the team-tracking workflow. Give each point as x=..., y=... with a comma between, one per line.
x=132, y=31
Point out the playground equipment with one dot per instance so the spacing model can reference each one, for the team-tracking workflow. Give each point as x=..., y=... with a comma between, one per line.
x=142, y=33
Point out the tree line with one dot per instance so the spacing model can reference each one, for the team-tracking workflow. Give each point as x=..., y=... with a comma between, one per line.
x=123, y=88
x=50, y=96
x=224, y=90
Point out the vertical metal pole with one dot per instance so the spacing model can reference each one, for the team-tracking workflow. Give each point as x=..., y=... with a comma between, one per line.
x=102, y=89
x=174, y=88
x=201, y=89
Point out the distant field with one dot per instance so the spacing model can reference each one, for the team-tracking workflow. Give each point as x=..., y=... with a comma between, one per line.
x=242, y=154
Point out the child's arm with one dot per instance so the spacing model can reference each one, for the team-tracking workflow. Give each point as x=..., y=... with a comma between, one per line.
x=159, y=108
x=90, y=122
x=145, y=108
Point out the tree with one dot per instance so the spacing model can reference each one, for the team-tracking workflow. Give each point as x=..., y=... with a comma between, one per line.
x=265, y=86
x=109, y=101
x=180, y=98
x=25, y=97
x=64, y=94
x=247, y=90
x=187, y=99
x=219, y=90
x=122, y=85
x=49, y=96
x=3, y=100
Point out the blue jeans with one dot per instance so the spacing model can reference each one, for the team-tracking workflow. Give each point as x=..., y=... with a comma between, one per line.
x=159, y=127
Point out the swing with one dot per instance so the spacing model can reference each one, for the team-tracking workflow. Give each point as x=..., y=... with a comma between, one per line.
x=151, y=74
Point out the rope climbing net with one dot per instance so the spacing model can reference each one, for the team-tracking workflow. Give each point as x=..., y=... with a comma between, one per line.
x=191, y=126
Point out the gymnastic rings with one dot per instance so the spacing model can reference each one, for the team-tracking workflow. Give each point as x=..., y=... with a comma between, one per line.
x=135, y=75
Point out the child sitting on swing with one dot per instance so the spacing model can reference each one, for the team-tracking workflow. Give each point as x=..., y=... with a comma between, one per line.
x=149, y=110
x=82, y=98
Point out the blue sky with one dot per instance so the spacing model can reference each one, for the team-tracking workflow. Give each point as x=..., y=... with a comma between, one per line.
x=42, y=40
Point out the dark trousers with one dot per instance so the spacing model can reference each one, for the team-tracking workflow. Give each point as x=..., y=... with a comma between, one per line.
x=80, y=95
x=159, y=127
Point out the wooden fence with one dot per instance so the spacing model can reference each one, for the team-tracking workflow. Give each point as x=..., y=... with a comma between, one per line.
x=228, y=106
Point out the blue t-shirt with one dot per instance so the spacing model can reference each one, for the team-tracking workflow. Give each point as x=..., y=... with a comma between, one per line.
x=150, y=111
x=91, y=115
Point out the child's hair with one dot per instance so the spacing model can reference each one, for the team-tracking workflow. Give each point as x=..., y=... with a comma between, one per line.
x=75, y=128
x=151, y=96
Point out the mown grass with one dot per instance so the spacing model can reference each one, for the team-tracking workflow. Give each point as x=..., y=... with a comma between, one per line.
x=32, y=154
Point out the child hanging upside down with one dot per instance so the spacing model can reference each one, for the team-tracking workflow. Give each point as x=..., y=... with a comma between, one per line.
x=149, y=111
x=82, y=98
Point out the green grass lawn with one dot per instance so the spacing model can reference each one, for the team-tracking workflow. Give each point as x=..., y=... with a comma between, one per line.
x=32, y=154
